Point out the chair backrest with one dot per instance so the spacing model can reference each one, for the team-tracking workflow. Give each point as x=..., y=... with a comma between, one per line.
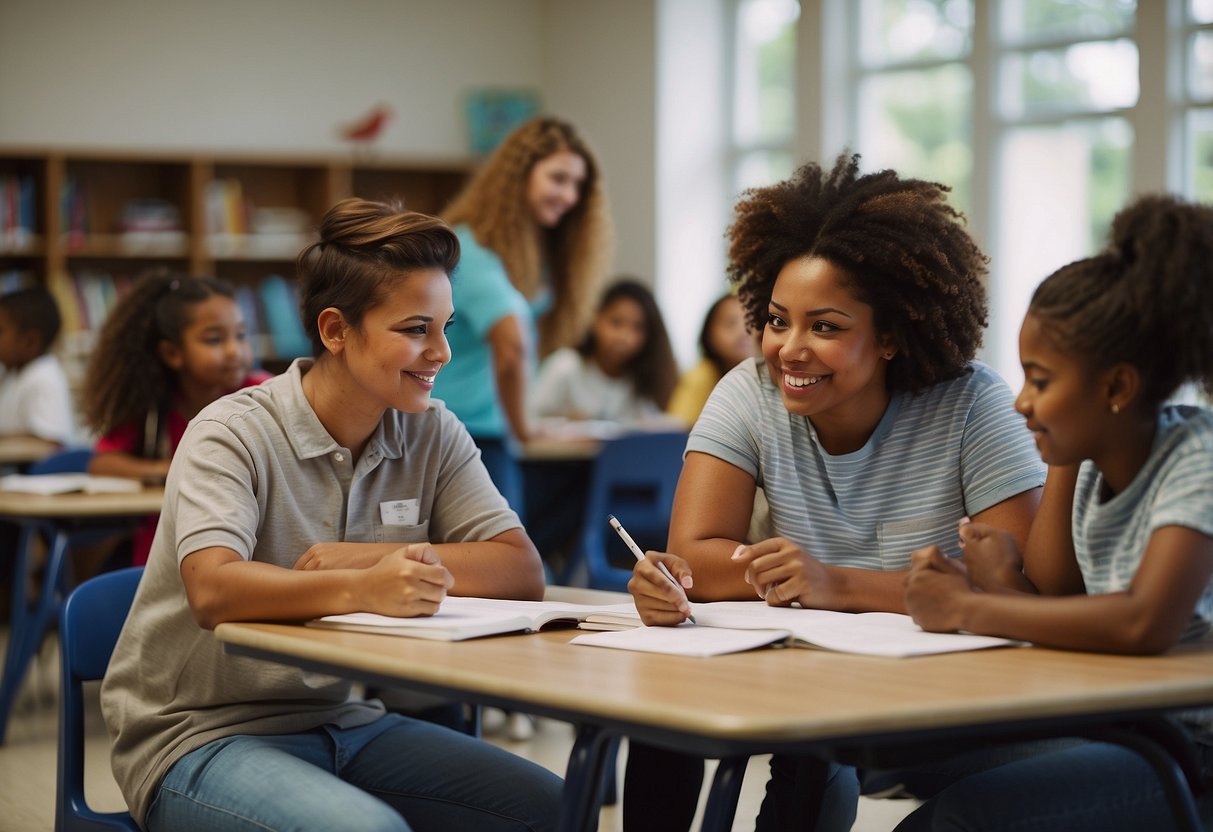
x=70, y=461
x=89, y=623
x=633, y=477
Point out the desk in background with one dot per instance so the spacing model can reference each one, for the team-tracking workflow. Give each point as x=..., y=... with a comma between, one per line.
x=789, y=700
x=19, y=451
x=59, y=515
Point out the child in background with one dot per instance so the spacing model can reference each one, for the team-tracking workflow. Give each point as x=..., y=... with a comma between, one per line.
x=867, y=424
x=170, y=346
x=1124, y=539
x=276, y=509
x=623, y=370
x=34, y=396
x=724, y=342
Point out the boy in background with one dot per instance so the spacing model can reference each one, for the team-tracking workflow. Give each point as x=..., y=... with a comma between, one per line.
x=34, y=397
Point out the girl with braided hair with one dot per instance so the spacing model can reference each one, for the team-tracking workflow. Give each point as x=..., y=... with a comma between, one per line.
x=866, y=422
x=1120, y=558
x=170, y=346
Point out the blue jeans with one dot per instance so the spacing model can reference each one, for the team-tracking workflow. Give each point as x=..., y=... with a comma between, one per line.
x=1085, y=786
x=395, y=774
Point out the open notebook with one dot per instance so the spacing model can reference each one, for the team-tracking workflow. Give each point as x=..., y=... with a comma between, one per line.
x=732, y=626
x=463, y=618
x=67, y=483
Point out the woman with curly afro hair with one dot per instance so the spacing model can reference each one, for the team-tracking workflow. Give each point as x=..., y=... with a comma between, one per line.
x=867, y=423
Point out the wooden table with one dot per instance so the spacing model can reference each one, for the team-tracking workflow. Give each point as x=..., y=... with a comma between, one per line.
x=58, y=515
x=774, y=700
x=22, y=450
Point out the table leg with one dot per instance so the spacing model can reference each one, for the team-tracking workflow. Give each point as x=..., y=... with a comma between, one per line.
x=724, y=794
x=29, y=625
x=583, y=779
x=1170, y=773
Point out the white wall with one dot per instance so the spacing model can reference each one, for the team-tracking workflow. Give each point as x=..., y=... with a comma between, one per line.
x=282, y=75
x=275, y=75
x=599, y=71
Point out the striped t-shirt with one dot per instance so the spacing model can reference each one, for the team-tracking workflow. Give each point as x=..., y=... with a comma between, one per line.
x=955, y=449
x=1173, y=488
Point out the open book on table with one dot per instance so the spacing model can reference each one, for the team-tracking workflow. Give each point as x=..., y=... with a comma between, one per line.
x=733, y=626
x=67, y=483
x=462, y=618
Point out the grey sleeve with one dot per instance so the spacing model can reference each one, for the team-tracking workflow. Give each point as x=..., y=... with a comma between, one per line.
x=215, y=499
x=467, y=506
x=727, y=427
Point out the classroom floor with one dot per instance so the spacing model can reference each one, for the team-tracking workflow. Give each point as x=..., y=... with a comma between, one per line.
x=27, y=763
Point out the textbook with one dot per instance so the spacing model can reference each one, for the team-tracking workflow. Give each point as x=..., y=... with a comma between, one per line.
x=463, y=618
x=732, y=626
x=67, y=483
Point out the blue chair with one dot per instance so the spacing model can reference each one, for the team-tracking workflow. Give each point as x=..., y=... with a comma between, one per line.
x=633, y=477
x=32, y=617
x=89, y=623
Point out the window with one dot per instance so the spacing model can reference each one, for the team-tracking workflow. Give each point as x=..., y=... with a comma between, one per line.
x=764, y=92
x=1197, y=99
x=1025, y=108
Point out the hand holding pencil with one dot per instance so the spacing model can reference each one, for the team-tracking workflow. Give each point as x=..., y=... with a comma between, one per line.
x=661, y=598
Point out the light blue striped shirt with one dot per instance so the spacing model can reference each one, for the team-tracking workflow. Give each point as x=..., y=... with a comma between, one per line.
x=1173, y=488
x=955, y=449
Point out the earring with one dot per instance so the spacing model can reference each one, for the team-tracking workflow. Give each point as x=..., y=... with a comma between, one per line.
x=1115, y=408
x=888, y=356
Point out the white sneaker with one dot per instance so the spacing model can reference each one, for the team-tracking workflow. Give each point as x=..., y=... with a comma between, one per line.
x=492, y=721
x=520, y=726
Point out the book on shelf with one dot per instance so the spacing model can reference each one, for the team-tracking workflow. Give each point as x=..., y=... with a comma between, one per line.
x=463, y=618
x=68, y=483
x=732, y=626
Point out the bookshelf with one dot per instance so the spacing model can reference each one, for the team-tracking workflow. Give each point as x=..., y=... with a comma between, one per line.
x=87, y=222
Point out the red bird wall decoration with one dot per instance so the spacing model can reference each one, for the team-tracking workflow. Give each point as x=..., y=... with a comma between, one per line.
x=365, y=130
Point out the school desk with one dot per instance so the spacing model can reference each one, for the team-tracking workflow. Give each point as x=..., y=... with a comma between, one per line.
x=834, y=705
x=22, y=450
x=60, y=515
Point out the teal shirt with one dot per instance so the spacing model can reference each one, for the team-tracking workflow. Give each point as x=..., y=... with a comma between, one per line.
x=483, y=295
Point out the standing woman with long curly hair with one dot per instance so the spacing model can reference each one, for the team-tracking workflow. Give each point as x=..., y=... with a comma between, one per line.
x=536, y=237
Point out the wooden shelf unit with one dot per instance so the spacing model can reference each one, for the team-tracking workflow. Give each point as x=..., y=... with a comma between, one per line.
x=109, y=180
x=74, y=201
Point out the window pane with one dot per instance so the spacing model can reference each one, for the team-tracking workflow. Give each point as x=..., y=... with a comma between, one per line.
x=919, y=123
x=1200, y=66
x=1201, y=11
x=1029, y=20
x=1199, y=143
x=762, y=167
x=765, y=103
x=1058, y=189
x=1100, y=75
x=901, y=30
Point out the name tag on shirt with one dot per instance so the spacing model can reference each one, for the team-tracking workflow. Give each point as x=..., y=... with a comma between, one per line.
x=400, y=512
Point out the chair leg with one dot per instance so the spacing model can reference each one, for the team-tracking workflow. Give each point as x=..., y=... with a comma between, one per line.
x=29, y=626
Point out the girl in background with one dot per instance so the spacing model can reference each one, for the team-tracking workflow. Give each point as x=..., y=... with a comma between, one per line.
x=622, y=371
x=169, y=347
x=724, y=342
x=275, y=510
x=1120, y=558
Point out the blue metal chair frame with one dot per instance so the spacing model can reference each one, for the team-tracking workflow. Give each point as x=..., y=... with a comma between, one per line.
x=633, y=477
x=89, y=624
x=31, y=618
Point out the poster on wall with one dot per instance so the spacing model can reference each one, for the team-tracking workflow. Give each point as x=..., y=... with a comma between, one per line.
x=493, y=113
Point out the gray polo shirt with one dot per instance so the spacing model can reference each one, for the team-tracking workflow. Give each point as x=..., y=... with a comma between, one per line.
x=257, y=473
